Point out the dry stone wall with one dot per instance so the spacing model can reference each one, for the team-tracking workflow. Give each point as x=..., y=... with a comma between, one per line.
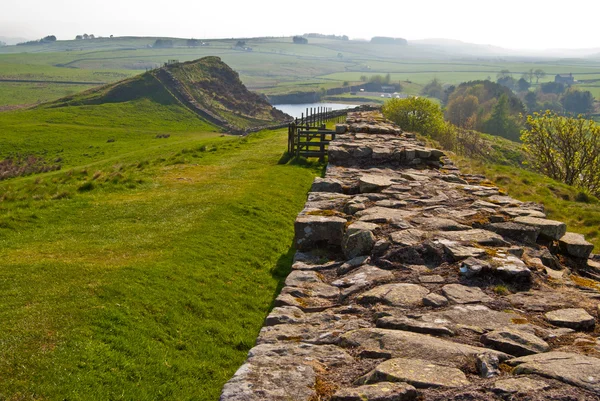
x=414, y=281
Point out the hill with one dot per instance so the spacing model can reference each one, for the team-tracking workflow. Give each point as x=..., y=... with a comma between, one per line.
x=208, y=87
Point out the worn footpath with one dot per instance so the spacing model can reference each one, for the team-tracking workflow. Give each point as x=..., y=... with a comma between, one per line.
x=414, y=281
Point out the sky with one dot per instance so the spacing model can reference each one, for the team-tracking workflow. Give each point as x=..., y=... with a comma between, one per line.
x=514, y=24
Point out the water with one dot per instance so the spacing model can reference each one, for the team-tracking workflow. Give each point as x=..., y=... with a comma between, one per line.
x=296, y=110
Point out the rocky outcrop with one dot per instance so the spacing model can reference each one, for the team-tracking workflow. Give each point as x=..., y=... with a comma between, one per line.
x=414, y=281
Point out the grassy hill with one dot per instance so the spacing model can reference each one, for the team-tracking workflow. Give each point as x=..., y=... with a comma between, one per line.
x=144, y=267
x=207, y=87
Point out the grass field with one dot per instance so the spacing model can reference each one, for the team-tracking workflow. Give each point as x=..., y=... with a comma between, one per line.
x=144, y=268
x=274, y=66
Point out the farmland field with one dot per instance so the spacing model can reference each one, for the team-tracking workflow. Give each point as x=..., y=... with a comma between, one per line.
x=273, y=66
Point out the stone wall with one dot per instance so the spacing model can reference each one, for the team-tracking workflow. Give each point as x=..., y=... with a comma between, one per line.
x=414, y=281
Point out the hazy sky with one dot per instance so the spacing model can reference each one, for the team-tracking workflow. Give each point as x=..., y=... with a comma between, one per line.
x=515, y=24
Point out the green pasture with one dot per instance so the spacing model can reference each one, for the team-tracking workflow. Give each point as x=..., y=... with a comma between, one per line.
x=144, y=268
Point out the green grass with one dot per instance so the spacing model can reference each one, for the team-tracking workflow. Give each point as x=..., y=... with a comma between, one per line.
x=146, y=272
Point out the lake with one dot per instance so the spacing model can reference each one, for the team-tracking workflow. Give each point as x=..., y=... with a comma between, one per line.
x=296, y=110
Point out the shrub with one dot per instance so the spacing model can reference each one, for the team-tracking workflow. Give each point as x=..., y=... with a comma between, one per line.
x=415, y=114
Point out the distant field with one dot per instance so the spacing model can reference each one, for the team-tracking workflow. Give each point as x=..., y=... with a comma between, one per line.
x=143, y=269
x=274, y=66
x=33, y=93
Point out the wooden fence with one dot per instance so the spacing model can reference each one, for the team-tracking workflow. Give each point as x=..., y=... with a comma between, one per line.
x=308, y=135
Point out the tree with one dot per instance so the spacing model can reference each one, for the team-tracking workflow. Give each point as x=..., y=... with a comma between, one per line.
x=79, y=37
x=500, y=123
x=528, y=75
x=565, y=148
x=553, y=87
x=523, y=85
x=86, y=36
x=162, y=43
x=48, y=39
x=578, y=102
x=433, y=89
x=415, y=114
x=364, y=78
x=503, y=74
x=299, y=40
x=539, y=73
x=461, y=111
x=531, y=101
x=507, y=81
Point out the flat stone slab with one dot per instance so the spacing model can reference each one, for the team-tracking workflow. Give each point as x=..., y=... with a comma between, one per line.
x=410, y=237
x=366, y=275
x=523, y=385
x=435, y=300
x=313, y=230
x=477, y=317
x=578, y=370
x=519, y=232
x=308, y=282
x=418, y=372
x=405, y=344
x=276, y=372
x=285, y=315
x=326, y=185
x=479, y=236
x=402, y=294
x=377, y=392
x=317, y=328
x=462, y=294
x=515, y=342
x=460, y=252
x=379, y=214
x=441, y=224
x=551, y=229
x=572, y=318
x=575, y=245
x=374, y=183
x=535, y=300
x=416, y=326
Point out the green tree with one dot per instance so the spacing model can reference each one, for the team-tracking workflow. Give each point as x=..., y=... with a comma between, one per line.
x=415, y=114
x=500, y=122
x=433, y=89
x=539, y=73
x=531, y=101
x=578, y=102
x=461, y=111
x=503, y=74
x=509, y=82
x=523, y=85
x=553, y=87
x=565, y=148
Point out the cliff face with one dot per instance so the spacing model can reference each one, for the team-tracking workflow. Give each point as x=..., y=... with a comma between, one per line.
x=414, y=281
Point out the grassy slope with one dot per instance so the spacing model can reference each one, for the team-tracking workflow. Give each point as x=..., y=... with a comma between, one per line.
x=146, y=274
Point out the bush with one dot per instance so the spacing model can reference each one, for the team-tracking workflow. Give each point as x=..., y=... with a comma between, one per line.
x=415, y=114
x=566, y=149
